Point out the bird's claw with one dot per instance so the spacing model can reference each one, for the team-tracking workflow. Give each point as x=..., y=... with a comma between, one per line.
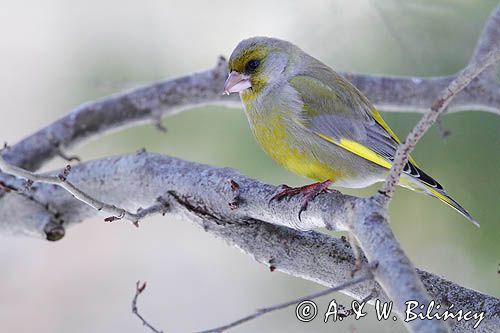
x=309, y=191
x=285, y=191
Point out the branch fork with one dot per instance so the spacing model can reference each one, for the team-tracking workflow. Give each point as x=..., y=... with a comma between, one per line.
x=200, y=193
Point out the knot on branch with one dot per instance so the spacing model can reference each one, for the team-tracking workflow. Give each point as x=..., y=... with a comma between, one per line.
x=65, y=173
x=235, y=188
x=54, y=231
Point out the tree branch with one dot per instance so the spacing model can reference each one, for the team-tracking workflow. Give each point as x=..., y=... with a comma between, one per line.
x=397, y=274
x=139, y=288
x=472, y=71
x=161, y=99
x=202, y=194
x=416, y=94
x=263, y=311
x=61, y=180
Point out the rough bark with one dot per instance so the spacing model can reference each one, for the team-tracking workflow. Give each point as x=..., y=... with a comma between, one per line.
x=241, y=215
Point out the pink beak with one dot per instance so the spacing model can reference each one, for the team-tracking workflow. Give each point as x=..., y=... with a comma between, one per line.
x=236, y=82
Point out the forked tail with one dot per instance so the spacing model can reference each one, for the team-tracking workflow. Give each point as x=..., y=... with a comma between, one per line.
x=421, y=182
x=441, y=195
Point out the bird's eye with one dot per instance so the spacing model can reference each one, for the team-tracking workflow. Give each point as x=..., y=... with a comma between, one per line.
x=252, y=65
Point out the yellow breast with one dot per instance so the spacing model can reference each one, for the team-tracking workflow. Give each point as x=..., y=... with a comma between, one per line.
x=281, y=146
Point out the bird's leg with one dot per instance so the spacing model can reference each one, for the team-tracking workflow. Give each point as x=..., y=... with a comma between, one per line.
x=308, y=191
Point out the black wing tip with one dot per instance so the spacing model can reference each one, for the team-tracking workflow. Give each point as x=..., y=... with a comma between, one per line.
x=431, y=183
x=462, y=211
x=455, y=205
x=414, y=171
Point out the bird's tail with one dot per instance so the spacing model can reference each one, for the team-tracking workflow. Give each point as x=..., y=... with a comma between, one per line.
x=421, y=184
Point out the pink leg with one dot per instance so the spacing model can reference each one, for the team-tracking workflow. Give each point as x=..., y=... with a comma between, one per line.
x=309, y=192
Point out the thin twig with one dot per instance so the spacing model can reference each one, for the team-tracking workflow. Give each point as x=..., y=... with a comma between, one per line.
x=349, y=312
x=62, y=181
x=69, y=158
x=202, y=196
x=59, y=150
x=388, y=93
x=413, y=93
x=438, y=107
x=161, y=206
x=260, y=312
x=135, y=310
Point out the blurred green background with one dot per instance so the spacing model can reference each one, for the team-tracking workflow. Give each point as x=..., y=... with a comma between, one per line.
x=58, y=54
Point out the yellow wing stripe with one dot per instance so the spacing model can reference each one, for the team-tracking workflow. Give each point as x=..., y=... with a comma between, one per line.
x=378, y=118
x=441, y=197
x=360, y=150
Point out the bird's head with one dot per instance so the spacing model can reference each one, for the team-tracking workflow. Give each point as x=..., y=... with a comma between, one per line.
x=257, y=64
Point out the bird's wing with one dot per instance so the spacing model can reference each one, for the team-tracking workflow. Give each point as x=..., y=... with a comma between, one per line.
x=337, y=112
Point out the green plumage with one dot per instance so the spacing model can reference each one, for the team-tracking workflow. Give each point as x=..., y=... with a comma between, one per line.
x=315, y=123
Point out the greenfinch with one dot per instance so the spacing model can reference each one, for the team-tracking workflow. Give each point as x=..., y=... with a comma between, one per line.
x=315, y=123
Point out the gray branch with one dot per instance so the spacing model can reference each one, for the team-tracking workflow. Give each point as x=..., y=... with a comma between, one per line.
x=201, y=194
x=243, y=217
x=260, y=312
x=161, y=99
x=472, y=71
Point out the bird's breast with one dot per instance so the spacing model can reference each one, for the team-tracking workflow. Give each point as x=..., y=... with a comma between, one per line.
x=280, y=141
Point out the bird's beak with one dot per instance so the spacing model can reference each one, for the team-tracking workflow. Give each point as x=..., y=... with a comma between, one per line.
x=236, y=82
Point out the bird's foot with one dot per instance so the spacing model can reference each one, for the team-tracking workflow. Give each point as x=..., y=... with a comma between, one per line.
x=309, y=192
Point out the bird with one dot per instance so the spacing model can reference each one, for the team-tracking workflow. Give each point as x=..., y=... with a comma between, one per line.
x=315, y=123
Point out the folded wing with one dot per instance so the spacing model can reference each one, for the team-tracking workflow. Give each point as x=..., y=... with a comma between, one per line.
x=337, y=112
